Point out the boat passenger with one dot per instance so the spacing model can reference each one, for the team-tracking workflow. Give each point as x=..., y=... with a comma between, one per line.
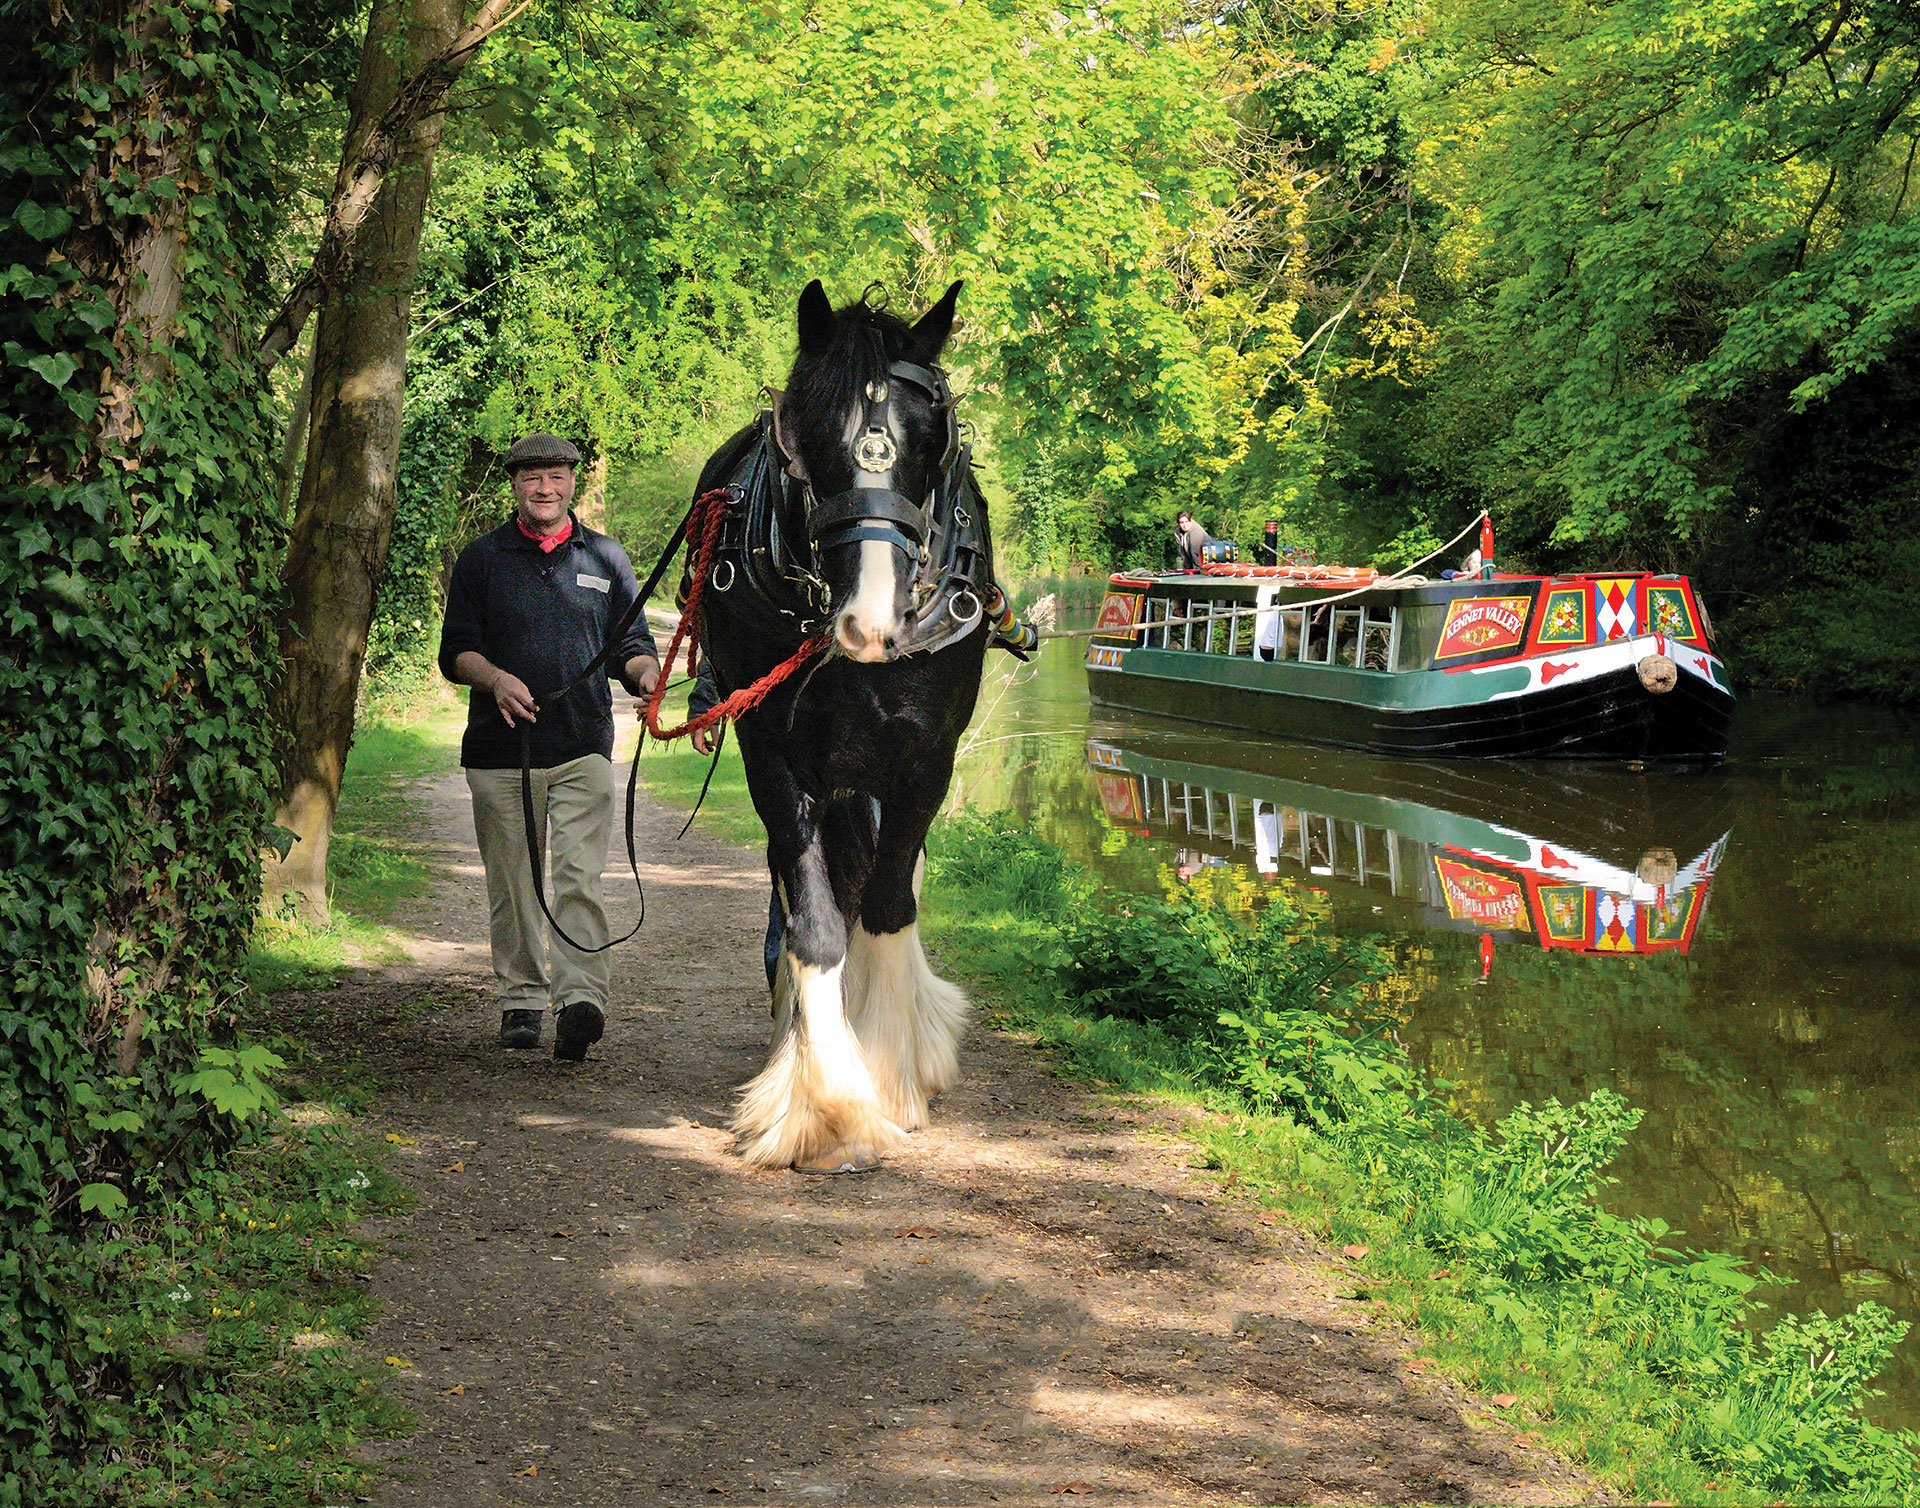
x=1188, y=537
x=1266, y=633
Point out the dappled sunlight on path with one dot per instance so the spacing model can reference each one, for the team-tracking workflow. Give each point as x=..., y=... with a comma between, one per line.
x=1038, y=1300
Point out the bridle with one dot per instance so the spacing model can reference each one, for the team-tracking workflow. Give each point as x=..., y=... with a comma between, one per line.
x=943, y=536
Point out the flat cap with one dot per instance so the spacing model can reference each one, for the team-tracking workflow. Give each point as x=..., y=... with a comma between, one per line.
x=541, y=450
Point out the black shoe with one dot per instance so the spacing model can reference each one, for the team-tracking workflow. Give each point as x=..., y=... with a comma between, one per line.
x=575, y=1029
x=520, y=1028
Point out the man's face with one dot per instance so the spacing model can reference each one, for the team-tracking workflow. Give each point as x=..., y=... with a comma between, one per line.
x=1184, y=520
x=542, y=494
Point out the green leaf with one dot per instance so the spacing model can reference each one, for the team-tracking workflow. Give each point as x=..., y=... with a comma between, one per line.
x=104, y=1200
x=55, y=369
x=42, y=224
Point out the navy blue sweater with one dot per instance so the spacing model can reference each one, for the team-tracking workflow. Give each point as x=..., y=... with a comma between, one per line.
x=542, y=617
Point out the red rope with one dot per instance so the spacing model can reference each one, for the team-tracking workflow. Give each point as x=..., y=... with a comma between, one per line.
x=709, y=509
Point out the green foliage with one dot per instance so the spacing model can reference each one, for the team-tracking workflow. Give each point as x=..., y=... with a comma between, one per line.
x=1645, y=1354
x=137, y=588
x=224, y=1307
x=233, y=1080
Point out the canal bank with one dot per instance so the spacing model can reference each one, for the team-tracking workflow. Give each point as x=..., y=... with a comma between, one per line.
x=1776, y=1054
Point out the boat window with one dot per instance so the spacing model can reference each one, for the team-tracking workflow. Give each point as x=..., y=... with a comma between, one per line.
x=1346, y=859
x=1419, y=634
x=1376, y=639
x=1346, y=636
x=1318, y=645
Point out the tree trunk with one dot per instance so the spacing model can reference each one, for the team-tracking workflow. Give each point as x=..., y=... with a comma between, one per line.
x=136, y=588
x=344, y=518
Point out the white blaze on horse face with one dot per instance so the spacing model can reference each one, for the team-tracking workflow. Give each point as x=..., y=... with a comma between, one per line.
x=866, y=626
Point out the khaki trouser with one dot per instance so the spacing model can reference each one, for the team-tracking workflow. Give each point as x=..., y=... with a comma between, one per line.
x=573, y=815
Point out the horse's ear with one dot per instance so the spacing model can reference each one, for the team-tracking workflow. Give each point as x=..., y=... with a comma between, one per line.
x=936, y=325
x=796, y=468
x=816, y=320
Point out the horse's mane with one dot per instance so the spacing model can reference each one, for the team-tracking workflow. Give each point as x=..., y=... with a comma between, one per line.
x=822, y=389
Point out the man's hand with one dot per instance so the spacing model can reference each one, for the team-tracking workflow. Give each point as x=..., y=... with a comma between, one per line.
x=703, y=739
x=512, y=697
x=643, y=671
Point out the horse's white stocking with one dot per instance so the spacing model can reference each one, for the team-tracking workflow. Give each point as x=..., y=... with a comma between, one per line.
x=907, y=1018
x=813, y=1106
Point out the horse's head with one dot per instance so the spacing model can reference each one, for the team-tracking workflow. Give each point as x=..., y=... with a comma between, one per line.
x=867, y=424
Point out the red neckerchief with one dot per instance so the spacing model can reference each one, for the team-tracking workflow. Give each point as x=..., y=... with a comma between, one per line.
x=548, y=542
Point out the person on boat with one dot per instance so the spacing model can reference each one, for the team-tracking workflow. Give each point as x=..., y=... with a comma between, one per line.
x=1188, y=538
x=1266, y=633
x=530, y=604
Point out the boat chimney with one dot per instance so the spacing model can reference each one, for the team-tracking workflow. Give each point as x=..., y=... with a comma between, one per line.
x=1270, y=542
x=1486, y=547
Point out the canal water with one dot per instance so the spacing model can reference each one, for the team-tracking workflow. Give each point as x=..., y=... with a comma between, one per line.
x=1735, y=951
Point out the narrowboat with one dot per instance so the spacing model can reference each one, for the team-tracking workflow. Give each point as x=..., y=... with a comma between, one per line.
x=1613, y=666
x=1511, y=859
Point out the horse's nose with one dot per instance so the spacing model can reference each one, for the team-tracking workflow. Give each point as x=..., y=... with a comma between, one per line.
x=871, y=645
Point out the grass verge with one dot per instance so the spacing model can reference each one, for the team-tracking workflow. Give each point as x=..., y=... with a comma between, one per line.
x=1594, y=1329
x=226, y=1366
x=674, y=774
x=372, y=865
x=231, y=1288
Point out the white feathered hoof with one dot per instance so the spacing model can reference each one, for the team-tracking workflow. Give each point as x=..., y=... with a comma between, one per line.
x=814, y=1106
x=908, y=1020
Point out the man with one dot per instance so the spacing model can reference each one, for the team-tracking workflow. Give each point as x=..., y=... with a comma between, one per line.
x=529, y=605
x=1188, y=537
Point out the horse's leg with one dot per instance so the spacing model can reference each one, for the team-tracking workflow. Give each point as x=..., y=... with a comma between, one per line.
x=907, y=1018
x=813, y=1105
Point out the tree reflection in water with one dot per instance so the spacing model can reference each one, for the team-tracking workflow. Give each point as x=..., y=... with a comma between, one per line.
x=1777, y=1055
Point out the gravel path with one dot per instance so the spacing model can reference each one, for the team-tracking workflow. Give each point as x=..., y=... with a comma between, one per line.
x=1038, y=1301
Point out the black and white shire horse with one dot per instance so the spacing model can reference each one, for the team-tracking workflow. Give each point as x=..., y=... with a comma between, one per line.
x=853, y=513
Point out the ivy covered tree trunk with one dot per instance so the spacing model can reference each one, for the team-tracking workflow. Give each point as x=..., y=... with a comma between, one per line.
x=343, y=521
x=137, y=542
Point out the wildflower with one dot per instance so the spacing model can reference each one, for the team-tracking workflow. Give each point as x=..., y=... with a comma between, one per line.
x=181, y=1293
x=359, y=1181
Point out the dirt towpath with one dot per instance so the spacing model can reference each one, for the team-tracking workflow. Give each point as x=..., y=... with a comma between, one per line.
x=1038, y=1301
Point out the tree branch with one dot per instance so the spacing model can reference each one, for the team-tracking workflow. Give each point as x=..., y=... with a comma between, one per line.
x=420, y=97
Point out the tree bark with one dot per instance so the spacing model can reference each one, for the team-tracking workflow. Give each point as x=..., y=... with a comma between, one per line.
x=343, y=521
x=375, y=145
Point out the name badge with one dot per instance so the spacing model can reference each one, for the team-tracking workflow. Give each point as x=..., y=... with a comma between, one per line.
x=598, y=583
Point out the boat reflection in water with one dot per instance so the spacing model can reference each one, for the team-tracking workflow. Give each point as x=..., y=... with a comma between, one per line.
x=1614, y=863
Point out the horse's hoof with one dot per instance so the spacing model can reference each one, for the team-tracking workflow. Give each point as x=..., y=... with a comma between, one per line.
x=839, y=1162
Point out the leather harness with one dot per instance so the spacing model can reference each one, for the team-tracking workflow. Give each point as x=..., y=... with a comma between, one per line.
x=945, y=536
